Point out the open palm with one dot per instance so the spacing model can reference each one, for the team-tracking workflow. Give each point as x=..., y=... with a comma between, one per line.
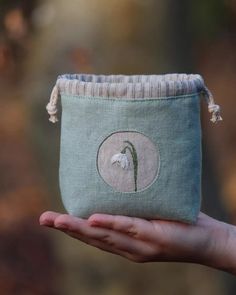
x=143, y=240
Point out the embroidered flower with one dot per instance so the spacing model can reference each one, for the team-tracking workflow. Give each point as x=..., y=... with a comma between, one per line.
x=121, y=159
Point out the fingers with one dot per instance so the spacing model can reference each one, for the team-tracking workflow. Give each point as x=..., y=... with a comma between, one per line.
x=101, y=245
x=48, y=217
x=78, y=228
x=134, y=227
x=102, y=238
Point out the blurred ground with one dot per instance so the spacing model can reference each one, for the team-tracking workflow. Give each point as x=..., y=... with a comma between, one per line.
x=41, y=39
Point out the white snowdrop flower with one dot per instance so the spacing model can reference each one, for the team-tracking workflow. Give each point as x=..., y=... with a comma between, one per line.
x=121, y=159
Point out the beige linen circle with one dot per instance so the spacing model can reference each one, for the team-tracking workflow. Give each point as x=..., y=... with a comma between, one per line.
x=128, y=161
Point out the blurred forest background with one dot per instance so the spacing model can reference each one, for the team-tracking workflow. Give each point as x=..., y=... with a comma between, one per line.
x=41, y=39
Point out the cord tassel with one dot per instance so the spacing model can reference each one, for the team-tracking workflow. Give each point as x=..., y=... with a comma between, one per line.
x=213, y=108
x=52, y=105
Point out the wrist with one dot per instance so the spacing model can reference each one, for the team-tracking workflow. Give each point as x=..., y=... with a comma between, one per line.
x=221, y=253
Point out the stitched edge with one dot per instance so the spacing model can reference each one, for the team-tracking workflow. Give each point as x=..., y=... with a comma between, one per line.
x=132, y=100
x=103, y=138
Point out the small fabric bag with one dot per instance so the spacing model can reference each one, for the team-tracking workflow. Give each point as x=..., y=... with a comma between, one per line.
x=131, y=144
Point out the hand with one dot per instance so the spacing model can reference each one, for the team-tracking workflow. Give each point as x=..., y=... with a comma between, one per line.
x=209, y=241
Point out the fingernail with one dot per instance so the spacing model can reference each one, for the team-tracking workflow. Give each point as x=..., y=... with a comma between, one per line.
x=60, y=226
x=93, y=223
x=45, y=223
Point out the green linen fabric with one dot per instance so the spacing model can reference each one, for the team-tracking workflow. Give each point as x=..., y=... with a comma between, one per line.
x=166, y=131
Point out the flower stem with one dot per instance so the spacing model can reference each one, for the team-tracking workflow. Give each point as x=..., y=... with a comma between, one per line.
x=135, y=161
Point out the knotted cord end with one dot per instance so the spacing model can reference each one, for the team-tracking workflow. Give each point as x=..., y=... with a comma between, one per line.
x=52, y=105
x=215, y=110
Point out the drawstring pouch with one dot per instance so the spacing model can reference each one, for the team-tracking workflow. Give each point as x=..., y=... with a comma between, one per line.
x=131, y=144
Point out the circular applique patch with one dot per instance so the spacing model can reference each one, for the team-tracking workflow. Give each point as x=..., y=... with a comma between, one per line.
x=128, y=161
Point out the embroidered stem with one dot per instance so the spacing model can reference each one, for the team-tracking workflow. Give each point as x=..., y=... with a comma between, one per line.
x=212, y=107
x=52, y=105
x=135, y=161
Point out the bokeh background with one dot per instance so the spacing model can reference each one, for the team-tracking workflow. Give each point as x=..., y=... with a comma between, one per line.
x=42, y=39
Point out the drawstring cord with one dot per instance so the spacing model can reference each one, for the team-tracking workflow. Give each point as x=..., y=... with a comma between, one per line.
x=213, y=108
x=52, y=105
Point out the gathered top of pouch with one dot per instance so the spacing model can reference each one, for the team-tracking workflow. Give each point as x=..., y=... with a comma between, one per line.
x=131, y=87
